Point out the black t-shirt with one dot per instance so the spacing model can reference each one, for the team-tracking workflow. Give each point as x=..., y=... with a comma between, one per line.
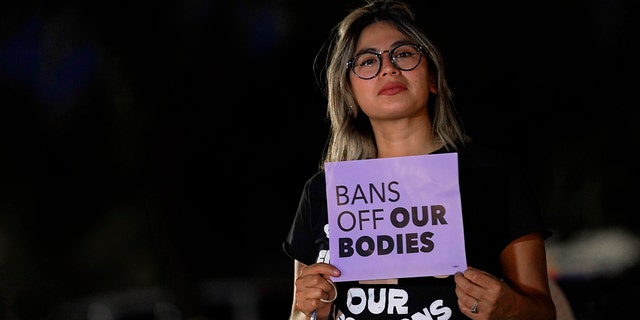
x=498, y=206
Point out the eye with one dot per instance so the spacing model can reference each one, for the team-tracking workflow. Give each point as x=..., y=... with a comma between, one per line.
x=367, y=60
x=405, y=52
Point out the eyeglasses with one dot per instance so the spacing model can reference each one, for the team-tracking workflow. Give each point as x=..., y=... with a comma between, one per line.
x=366, y=65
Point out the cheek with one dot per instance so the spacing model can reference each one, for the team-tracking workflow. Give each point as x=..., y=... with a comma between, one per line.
x=423, y=87
x=423, y=79
x=360, y=88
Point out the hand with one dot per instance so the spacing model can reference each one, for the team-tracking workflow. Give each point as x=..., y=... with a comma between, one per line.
x=494, y=298
x=314, y=288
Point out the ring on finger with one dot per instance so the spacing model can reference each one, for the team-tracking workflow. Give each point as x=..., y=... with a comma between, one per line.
x=474, y=308
x=334, y=290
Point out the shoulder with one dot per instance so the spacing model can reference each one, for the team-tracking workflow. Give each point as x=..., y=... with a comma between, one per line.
x=314, y=192
x=475, y=155
x=316, y=181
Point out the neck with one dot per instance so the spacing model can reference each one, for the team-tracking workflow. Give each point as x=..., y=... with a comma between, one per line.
x=406, y=141
x=408, y=149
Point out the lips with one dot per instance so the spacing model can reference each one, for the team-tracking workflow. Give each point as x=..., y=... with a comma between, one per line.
x=391, y=89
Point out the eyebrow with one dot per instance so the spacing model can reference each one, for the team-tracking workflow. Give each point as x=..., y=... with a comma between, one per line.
x=376, y=50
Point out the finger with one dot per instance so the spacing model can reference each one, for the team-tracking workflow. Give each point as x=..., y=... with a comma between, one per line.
x=481, y=278
x=310, y=290
x=463, y=288
x=474, y=307
x=315, y=286
x=334, y=290
x=327, y=289
x=463, y=282
x=468, y=306
x=466, y=290
x=320, y=268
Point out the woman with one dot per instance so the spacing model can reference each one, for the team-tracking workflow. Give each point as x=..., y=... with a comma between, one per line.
x=388, y=97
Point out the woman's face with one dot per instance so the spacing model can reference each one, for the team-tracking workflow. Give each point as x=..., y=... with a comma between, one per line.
x=393, y=93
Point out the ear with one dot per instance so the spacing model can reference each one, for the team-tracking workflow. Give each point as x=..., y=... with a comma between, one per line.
x=433, y=88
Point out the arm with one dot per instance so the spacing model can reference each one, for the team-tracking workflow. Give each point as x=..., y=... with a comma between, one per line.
x=524, y=292
x=311, y=283
x=524, y=264
x=296, y=314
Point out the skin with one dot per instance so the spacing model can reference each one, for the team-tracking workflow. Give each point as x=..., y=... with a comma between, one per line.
x=312, y=284
x=396, y=103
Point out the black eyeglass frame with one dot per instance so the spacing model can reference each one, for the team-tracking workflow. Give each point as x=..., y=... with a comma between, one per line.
x=393, y=60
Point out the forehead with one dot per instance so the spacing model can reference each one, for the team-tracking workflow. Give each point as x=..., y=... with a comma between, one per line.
x=380, y=35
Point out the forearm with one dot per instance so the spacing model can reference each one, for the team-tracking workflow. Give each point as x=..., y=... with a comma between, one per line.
x=535, y=307
x=299, y=315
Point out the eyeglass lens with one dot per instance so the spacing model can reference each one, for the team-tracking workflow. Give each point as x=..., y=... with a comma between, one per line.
x=404, y=57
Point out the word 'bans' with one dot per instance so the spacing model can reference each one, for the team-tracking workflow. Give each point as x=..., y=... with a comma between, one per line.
x=383, y=192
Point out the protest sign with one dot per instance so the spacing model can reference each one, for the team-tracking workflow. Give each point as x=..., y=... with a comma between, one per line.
x=395, y=217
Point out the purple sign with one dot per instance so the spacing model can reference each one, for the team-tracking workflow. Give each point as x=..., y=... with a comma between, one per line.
x=395, y=217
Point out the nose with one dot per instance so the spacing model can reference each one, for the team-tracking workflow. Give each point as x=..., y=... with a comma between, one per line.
x=387, y=66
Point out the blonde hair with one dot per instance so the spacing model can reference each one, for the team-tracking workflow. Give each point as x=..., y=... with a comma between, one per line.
x=351, y=136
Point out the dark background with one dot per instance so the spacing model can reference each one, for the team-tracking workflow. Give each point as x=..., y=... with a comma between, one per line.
x=153, y=153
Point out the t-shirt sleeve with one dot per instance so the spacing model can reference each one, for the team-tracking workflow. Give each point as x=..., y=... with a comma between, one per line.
x=498, y=203
x=525, y=214
x=306, y=235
